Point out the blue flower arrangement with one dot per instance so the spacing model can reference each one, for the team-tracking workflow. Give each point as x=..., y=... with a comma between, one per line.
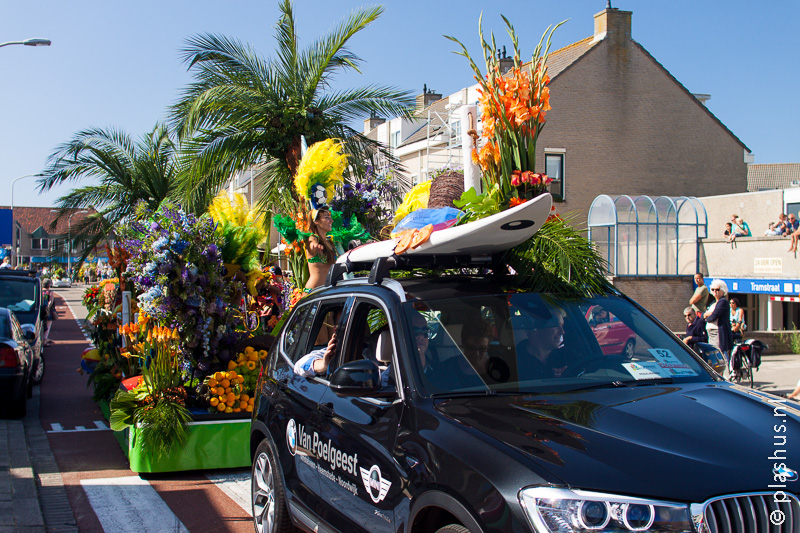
x=176, y=268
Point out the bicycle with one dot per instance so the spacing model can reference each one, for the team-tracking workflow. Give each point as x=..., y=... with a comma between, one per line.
x=745, y=357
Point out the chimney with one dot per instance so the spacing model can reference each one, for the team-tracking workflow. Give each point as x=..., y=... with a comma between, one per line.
x=372, y=122
x=505, y=62
x=426, y=98
x=613, y=24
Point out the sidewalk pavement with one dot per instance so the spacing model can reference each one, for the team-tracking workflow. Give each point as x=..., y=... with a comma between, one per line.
x=32, y=494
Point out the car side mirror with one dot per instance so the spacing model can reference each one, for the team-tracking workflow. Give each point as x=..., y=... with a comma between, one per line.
x=356, y=378
x=29, y=332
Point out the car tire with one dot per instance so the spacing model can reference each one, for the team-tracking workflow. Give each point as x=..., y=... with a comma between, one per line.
x=38, y=373
x=267, y=494
x=453, y=528
x=629, y=349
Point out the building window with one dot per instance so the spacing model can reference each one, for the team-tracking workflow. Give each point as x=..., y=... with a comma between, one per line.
x=455, y=131
x=39, y=244
x=554, y=168
x=395, y=139
x=54, y=244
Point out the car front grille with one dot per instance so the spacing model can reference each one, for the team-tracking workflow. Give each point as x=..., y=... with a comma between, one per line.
x=768, y=512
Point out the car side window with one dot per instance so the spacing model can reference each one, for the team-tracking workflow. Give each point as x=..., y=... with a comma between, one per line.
x=370, y=337
x=297, y=332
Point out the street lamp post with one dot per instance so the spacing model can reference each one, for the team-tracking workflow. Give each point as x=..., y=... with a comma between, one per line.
x=13, y=225
x=29, y=42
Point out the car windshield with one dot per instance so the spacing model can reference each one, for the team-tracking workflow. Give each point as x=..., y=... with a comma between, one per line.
x=527, y=342
x=5, y=326
x=20, y=296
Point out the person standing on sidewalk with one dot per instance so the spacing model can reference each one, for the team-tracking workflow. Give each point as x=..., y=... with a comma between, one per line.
x=718, y=319
x=699, y=300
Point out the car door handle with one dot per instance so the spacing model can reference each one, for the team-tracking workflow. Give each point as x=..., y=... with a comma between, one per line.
x=326, y=408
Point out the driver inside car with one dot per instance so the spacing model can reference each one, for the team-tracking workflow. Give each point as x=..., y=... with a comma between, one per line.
x=540, y=355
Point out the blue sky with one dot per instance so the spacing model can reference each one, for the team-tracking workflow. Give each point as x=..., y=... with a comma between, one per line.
x=116, y=64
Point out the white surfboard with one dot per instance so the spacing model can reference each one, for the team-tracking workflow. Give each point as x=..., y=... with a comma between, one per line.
x=495, y=233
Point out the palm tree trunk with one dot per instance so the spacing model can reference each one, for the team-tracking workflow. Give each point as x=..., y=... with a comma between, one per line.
x=293, y=155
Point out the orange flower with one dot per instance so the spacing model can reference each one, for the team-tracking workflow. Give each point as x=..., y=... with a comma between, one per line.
x=516, y=201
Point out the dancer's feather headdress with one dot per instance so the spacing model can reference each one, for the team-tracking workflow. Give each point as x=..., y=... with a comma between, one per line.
x=320, y=170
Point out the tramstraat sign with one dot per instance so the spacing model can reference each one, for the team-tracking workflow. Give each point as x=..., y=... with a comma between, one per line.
x=760, y=286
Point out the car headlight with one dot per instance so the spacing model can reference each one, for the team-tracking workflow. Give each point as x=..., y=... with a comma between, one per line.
x=558, y=510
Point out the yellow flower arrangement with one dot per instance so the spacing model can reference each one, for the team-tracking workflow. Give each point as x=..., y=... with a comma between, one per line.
x=322, y=166
x=416, y=198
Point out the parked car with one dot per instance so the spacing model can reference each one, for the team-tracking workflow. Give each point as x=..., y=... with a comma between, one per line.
x=415, y=426
x=612, y=334
x=62, y=283
x=21, y=292
x=16, y=357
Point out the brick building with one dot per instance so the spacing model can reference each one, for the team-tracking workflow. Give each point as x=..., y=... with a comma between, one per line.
x=620, y=124
x=39, y=244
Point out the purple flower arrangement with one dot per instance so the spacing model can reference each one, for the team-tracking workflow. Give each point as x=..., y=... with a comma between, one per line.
x=177, y=270
x=372, y=199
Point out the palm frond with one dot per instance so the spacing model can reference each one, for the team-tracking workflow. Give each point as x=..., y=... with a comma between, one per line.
x=558, y=259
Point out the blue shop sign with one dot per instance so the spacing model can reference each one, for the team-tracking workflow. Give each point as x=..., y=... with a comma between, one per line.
x=760, y=286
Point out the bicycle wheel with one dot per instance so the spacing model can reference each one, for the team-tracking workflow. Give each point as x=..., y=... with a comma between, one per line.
x=747, y=372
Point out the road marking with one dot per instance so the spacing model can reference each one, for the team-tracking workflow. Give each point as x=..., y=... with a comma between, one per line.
x=99, y=426
x=125, y=504
x=236, y=486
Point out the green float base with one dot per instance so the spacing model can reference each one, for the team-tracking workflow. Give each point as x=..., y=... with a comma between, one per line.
x=220, y=443
x=212, y=444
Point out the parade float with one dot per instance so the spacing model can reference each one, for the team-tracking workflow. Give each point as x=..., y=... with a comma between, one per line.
x=180, y=334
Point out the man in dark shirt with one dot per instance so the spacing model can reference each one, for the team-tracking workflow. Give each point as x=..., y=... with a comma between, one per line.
x=695, y=328
x=538, y=355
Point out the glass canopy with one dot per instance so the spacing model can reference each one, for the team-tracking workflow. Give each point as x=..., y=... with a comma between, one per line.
x=644, y=236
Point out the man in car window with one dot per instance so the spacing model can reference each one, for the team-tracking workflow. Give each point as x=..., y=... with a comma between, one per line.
x=538, y=356
x=316, y=362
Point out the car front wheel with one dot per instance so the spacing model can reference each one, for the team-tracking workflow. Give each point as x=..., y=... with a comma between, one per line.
x=268, y=497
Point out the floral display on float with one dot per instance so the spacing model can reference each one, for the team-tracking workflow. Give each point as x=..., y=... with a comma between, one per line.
x=369, y=199
x=177, y=270
x=513, y=108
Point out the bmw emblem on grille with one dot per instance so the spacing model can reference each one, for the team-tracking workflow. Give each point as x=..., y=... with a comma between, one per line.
x=784, y=473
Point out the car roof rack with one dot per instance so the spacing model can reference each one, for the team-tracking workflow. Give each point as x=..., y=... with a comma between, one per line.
x=382, y=266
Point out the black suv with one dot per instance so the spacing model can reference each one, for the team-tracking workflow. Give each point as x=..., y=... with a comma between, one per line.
x=21, y=292
x=468, y=403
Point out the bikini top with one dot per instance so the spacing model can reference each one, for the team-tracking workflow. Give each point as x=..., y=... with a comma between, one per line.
x=319, y=258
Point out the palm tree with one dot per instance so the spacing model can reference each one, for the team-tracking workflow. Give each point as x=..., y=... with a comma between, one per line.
x=129, y=173
x=244, y=111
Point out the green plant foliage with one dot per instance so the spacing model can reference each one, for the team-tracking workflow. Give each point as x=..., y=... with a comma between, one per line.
x=792, y=338
x=164, y=427
x=476, y=206
x=558, y=259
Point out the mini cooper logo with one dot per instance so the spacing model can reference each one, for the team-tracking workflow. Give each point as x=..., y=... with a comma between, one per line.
x=377, y=487
x=784, y=473
x=291, y=436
